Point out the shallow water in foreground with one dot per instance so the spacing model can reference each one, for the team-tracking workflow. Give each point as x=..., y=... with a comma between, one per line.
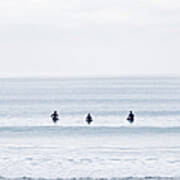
x=67, y=152
x=89, y=178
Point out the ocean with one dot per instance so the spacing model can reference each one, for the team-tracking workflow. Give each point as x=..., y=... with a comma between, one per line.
x=32, y=147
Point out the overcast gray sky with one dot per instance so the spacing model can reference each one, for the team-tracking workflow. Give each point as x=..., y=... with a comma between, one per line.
x=89, y=37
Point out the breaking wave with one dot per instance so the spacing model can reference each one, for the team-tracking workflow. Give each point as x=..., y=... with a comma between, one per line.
x=85, y=130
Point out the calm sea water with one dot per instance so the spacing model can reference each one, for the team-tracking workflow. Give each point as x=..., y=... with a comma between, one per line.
x=155, y=101
x=32, y=146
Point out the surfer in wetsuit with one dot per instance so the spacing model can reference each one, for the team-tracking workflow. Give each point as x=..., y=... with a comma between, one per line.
x=89, y=118
x=55, y=116
x=130, y=117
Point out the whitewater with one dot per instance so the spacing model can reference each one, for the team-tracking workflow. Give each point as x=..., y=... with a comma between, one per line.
x=32, y=147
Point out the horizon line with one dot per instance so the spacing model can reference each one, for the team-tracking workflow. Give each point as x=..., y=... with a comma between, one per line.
x=87, y=76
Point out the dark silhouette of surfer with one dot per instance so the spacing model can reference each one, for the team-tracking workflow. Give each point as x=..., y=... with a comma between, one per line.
x=89, y=119
x=130, y=117
x=55, y=116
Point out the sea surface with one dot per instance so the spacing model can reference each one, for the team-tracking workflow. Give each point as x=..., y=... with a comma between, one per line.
x=32, y=147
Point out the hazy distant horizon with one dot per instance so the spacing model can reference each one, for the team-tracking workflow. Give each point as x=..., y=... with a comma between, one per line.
x=90, y=76
x=89, y=38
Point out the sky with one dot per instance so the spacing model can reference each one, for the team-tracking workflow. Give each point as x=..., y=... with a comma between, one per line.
x=89, y=37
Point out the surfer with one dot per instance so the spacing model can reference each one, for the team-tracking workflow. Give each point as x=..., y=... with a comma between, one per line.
x=55, y=116
x=130, y=117
x=89, y=118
